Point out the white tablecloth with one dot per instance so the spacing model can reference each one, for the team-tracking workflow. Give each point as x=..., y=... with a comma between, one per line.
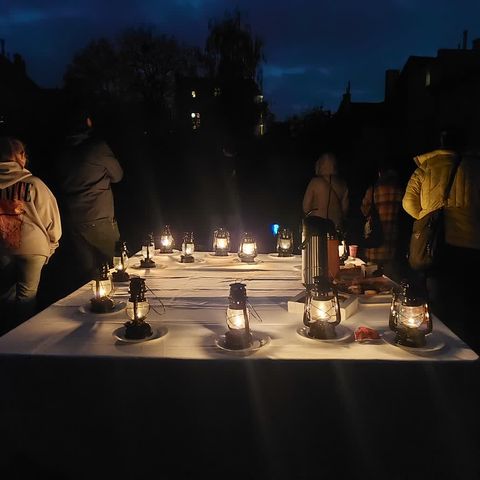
x=195, y=297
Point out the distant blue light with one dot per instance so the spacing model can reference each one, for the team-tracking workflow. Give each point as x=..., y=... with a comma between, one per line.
x=275, y=228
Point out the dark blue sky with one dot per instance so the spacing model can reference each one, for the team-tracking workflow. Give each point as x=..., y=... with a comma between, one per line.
x=312, y=47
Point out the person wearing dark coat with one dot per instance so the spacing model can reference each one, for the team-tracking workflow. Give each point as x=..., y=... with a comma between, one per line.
x=87, y=169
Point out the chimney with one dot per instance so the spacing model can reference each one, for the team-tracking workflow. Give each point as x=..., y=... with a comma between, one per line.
x=346, y=99
x=347, y=96
x=19, y=64
x=2, y=47
x=465, y=36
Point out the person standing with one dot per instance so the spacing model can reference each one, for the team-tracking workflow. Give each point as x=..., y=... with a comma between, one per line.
x=451, y=292
x=326, y=195
x=227, y=208
x=386, y=196
x=86, y=170
x=30, y=230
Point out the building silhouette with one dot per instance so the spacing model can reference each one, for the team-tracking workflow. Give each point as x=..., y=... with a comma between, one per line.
x=233, y=106
x=27, y=111
x=17, y=92
x=427, y=95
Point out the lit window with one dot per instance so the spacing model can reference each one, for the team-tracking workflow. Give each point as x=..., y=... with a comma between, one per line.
x=195, y=120
x=427, y=78
x=194, y=93
x=192, y=115
x=258, y=98
x=216, y=91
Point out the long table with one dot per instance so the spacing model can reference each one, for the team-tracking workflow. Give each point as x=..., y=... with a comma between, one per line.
x=76, y=395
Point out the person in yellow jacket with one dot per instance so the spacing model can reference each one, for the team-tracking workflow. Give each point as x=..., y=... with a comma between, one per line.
x=450, y=292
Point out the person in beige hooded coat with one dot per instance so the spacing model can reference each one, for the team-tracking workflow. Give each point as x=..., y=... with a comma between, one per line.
x=30, y=230
x=451, y=292
x=326, y=195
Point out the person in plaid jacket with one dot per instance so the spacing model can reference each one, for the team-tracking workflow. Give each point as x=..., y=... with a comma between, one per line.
x=387, y=195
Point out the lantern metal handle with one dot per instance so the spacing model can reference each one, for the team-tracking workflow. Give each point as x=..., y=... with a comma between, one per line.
x=303, y=245
x=157, y=298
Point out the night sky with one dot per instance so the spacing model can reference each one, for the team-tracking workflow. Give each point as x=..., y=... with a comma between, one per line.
x=312, y=47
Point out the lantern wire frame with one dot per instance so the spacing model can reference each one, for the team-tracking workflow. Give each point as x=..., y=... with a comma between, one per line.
x=251, y=308
x=163, y=311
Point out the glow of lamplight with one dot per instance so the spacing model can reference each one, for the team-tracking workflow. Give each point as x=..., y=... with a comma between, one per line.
x=118, y=262
x=222, y=243
x=137, y=310
x=236, y=318
x=165, y=241
x=284, y=243
x=248, y=248
x=319, y=310
x=188, y=248
x=101, y=292
x=412, y=317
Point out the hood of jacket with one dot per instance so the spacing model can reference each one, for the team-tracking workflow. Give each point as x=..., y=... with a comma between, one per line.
x=422, y=159
x=77, y=138
x=12, y=172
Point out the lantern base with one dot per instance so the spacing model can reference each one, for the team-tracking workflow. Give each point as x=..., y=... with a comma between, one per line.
x=238, y=340
x=285, y=254
x=247, y=259
x=167, y=250
x=120, y=276
x=322, y=330
x=411, y=337
x=186, y=259
x=221, y=253
x=147, y=263
x=101, y=305
x=136, y=330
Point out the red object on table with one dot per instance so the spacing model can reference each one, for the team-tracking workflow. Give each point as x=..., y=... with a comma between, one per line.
x=366, y=333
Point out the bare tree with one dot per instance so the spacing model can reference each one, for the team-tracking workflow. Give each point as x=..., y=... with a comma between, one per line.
x=232, y=49
x=139, y=65
x=149, y=62
x=94, y=70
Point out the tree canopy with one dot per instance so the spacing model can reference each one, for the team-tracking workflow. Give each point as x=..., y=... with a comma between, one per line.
x=139, y=64
x=232, y=48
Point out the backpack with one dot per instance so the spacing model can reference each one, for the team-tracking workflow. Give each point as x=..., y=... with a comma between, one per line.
x=372, y=230
x=428, y=233
x=11, y=220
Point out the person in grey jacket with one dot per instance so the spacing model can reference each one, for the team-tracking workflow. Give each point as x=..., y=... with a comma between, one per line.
x=87, y=168
x=30, y=230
